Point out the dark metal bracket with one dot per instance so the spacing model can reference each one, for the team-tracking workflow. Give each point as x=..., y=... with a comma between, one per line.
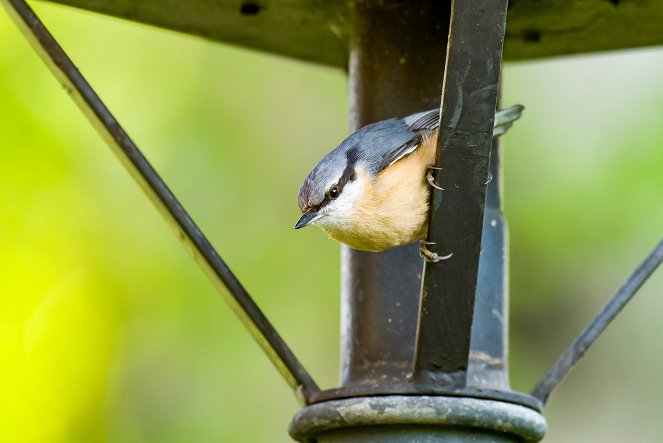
x=469, y=99
x=170, y=208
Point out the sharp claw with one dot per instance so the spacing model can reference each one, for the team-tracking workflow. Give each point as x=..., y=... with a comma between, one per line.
x=430, y=256
x=431, y=181
x=490, y=178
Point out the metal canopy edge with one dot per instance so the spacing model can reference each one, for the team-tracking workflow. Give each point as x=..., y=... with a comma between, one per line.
x=317, y=30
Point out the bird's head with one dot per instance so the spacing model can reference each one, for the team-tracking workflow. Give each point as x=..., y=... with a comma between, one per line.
x=332, y=189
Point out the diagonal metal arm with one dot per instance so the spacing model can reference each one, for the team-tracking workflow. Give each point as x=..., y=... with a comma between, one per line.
x=588, y=336
x=169, y=207
x=469, y=98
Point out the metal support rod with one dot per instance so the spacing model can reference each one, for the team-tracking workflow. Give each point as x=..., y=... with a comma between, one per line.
x=471, y=81
x=169, y=207
x=589, y=335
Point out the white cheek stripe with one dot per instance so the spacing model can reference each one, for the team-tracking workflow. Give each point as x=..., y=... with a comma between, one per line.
x=340, y=211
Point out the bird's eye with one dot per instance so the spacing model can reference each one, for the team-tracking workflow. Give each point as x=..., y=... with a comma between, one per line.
x=333, y=192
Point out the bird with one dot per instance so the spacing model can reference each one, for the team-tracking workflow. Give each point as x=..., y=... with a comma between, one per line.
x=372, y=191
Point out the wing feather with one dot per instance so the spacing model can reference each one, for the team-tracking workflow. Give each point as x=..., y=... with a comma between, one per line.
x=418, y=125
x=423, y=123
x=428, y=120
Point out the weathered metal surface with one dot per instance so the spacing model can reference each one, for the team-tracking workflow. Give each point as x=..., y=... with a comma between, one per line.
x=422, y=419
x=165, y=201
x=318, y=30
x=469, y=100
x=406, y=387
x=589, y=335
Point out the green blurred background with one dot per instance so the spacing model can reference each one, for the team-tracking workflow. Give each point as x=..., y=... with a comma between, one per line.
x=110, y=333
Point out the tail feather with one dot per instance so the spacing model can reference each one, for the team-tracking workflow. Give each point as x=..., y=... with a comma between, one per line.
x=504, y=118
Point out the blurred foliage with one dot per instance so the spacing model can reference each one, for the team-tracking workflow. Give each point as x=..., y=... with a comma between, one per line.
x=109, y=332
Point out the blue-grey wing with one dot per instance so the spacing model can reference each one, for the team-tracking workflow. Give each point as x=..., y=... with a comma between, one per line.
x=423, y=121
x=430, y=120
x=404, y=135
x=417, y=125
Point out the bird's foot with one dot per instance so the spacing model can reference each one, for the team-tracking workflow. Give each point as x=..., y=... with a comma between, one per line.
x=428, y=255
x=429, y=177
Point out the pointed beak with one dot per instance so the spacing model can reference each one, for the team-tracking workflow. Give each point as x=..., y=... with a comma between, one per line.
x=307, y=218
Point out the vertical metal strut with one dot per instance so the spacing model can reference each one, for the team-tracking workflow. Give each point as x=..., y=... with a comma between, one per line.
x=167, y=204
x=471, y=80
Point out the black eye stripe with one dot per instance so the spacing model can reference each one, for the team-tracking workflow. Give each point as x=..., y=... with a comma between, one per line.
x=349, y=173
x=347, y=176
x=352, y=155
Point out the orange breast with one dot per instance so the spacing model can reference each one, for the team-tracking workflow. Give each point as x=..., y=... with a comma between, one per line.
x=393, y=210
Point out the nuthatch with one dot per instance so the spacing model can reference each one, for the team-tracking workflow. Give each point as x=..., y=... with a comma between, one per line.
x=372, y=191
